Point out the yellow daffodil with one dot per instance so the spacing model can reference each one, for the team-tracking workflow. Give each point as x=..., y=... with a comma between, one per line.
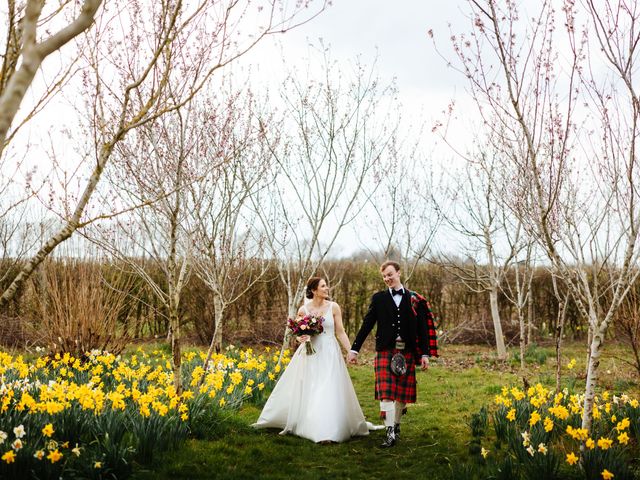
x=484, y=452
x=9, y=457
x=607, y=475
x=604, y=443
x=54, y=456
x=534, y=418
x=48, y=430
x=623, y=438
x=572, y=459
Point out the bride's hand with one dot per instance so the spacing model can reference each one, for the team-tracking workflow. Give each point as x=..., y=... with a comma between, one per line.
x=303, y=338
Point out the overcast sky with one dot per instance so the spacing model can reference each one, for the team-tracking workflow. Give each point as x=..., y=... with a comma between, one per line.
x=395, y=32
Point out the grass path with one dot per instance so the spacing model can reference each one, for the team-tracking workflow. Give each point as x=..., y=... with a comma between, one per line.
x=435, y=433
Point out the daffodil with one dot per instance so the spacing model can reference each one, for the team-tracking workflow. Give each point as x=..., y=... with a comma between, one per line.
x=484, y=452
x=54, y=456
x=48, y=430
x=604, y=443
x=9, y=457
x=607, y=475
x=623, y=438
x=19, y=431
x=572, y=459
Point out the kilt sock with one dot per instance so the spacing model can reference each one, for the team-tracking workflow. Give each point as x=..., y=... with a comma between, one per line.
x=389, y=409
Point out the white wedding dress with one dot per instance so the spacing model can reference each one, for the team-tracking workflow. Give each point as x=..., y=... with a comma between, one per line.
x=314, y=397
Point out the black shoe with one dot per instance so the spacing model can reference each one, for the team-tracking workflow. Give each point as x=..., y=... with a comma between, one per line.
x=396, y=431
x=390, y=439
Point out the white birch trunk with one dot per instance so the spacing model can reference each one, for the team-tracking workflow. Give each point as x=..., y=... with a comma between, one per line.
x=497, y=325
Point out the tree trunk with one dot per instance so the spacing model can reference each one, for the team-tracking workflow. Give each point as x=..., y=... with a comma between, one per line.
x=32, y=56
x=292, y=311
x=523, y=339
x=529, y=318
x=176, y=350
x=592, y=379
x=497, y=325
x=70, y=227
x=218, y=312
x=562, y=310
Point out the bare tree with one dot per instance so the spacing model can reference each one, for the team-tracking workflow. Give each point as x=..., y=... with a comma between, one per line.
x=228, y=244
x=554, y=124
x=148, y=60
x=339, y=134
x=156, y=163
x=229, y=248
x=405, y=211
x=518, y=289
x=482, y=220
x=28, y=43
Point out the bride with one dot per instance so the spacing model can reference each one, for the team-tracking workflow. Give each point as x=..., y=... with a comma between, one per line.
x=314, y=398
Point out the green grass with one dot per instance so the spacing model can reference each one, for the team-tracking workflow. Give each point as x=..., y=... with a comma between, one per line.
x=435, y=432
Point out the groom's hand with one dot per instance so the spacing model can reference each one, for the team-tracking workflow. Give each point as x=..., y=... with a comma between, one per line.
x=424, y=363
x=352, y=358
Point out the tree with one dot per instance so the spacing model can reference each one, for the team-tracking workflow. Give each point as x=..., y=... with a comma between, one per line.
x=405, y=211
x=143, y=62
x=339, y=133
x=227, y=242
x=24, y=52
x=482, y=220
x=554, y=124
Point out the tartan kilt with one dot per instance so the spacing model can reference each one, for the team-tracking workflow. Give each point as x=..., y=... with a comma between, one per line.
x=392, y=387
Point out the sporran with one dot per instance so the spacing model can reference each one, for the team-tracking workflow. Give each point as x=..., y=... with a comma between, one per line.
x=398, y=364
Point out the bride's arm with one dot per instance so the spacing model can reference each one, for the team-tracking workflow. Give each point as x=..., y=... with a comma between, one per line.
x=341, y=335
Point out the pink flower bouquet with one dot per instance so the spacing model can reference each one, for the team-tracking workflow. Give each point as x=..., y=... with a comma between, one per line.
x=307, y=325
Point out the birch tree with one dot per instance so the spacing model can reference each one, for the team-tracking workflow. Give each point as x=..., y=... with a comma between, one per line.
x=35, y=30
x=489, y=241
x=405, y=211
x=563, y=96
x=336, y=132
x=227, y=242
x=154, y=165
x=144, y=61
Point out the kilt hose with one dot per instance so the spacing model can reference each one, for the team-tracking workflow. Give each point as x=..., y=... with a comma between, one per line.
x=391, y=387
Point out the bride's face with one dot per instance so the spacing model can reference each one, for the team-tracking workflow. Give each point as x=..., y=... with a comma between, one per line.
x=322, y=291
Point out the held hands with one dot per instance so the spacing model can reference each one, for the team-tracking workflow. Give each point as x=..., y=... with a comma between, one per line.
x=303, y=338
x=352, y=358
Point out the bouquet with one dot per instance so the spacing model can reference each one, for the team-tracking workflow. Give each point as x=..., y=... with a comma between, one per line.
x=307, y=325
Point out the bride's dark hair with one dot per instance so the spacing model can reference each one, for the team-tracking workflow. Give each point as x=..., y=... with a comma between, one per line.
x=312, y=284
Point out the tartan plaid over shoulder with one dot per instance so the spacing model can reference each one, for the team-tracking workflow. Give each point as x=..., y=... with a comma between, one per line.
x=418, y=302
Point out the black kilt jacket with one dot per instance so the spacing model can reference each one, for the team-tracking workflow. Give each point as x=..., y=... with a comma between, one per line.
x=384, y=313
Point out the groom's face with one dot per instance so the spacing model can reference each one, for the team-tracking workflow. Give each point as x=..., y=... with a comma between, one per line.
x=391, y=277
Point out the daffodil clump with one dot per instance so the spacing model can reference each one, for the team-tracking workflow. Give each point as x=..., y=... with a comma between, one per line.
x=68, y=417
x=543, y=434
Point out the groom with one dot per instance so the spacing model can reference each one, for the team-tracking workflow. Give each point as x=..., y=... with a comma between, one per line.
x=404, y=325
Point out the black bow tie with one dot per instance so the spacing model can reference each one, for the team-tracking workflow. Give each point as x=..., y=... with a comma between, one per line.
x=396, y=292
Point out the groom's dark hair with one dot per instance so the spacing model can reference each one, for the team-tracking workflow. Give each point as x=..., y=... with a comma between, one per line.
x=312, y=284
x=395, y=265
